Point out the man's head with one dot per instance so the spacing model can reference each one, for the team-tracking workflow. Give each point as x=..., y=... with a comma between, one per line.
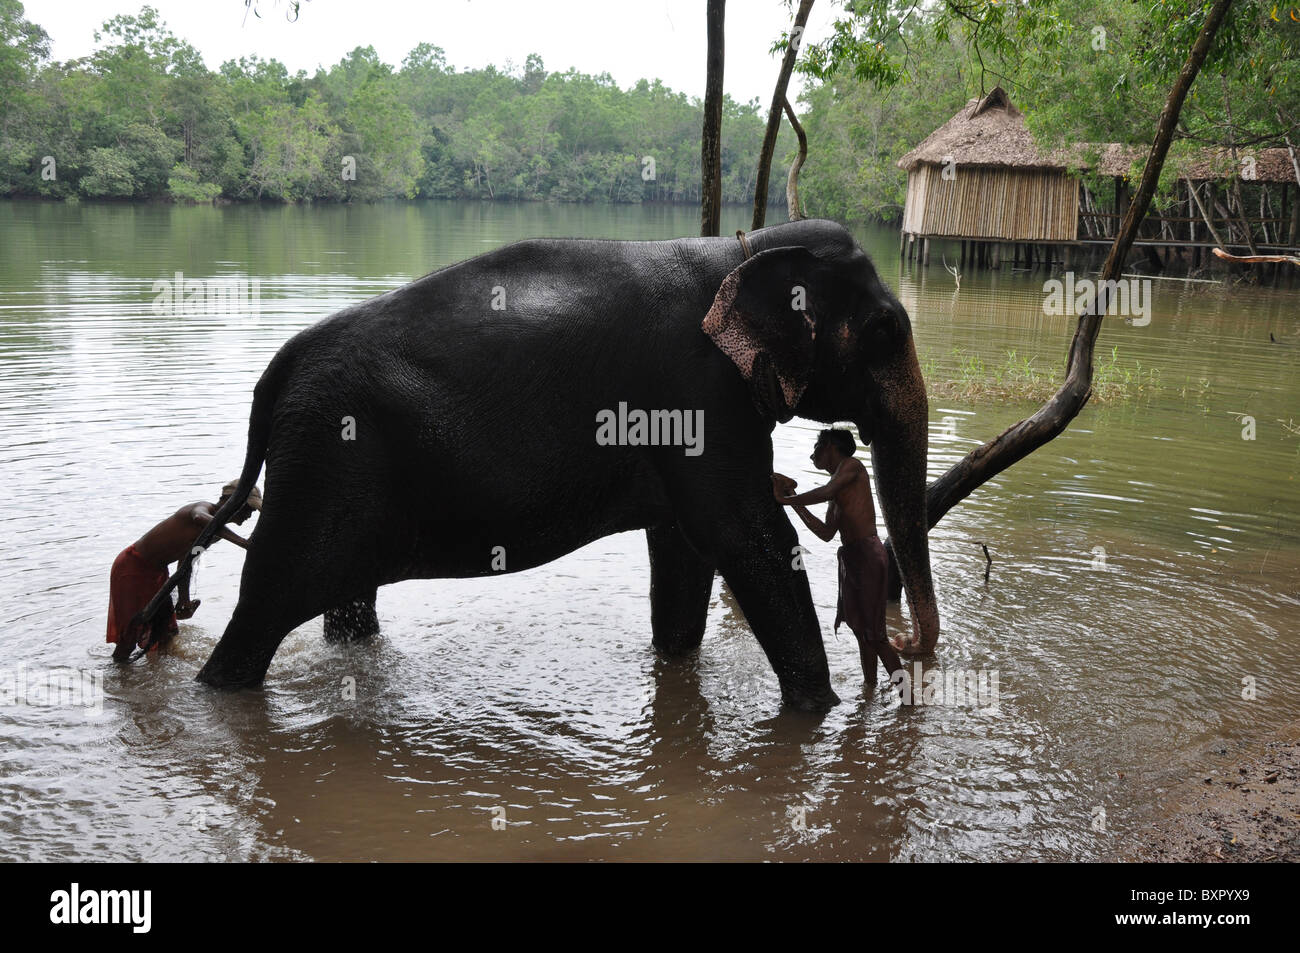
x=832, y=446
x=254, y=501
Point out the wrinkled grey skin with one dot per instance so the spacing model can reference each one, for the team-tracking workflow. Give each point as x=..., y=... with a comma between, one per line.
x=475, y=429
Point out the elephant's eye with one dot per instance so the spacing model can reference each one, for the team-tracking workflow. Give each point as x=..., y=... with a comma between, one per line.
x=882, y=329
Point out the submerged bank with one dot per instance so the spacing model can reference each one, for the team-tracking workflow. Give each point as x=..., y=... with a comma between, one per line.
x=1243, y=808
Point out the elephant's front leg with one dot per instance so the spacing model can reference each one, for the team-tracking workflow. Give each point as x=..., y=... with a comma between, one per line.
x=681, y=582
x=353, y=620
x=765, y=574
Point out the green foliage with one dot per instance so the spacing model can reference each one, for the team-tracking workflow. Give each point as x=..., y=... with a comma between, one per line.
x=113, y=175
x=184, y=186
x=1081, y=71
x=137, y=165
x=142, y=117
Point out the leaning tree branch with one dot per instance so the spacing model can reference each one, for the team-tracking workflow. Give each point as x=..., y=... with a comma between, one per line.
x=1255, y=259
x=1018, y=441
x=764, y=173
x=792, y=182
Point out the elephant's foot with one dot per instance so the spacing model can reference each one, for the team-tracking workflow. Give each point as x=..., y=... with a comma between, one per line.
x=231, y=677
x=673, y=650
x=242, y=657
x=816, y=702
x=352, y=621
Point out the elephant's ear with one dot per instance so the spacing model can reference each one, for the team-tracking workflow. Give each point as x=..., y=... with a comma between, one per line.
x=762, y=319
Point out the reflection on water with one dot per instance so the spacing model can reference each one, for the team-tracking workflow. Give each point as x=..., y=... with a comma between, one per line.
x=1144, y=573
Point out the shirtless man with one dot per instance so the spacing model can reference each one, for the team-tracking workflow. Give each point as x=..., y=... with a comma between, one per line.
x=140, y=570
x=864, y=567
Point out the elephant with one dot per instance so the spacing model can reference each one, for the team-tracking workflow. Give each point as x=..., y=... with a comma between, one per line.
x=492, y=416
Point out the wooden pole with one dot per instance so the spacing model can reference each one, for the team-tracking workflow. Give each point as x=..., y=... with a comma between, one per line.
x=711, y=138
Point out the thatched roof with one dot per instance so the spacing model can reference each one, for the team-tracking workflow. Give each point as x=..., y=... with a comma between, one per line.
x=988, y=131
x=992, y=132
x=1205, y=165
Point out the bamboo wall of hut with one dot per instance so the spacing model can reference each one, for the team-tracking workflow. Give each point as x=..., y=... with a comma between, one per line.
x=994, y=203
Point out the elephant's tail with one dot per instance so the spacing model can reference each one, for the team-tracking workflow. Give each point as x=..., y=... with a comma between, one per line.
x=259, y=436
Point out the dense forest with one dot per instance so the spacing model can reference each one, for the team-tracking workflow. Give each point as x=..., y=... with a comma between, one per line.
x=143, y=117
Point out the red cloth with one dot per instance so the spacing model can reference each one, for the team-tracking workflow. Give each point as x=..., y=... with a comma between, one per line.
x=132, y=583
x=864, y=574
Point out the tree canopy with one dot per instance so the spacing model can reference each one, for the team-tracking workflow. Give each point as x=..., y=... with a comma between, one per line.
x=142, y=117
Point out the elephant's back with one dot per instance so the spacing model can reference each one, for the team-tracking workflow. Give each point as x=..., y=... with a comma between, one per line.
x=534, y=339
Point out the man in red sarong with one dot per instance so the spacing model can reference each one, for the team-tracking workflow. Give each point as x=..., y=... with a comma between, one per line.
x=863, y=565
x=140, y=570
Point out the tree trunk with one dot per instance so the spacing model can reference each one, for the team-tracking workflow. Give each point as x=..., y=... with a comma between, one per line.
x=1049, y=421
x=711, y=138
x=792, y=183
x=774, y=114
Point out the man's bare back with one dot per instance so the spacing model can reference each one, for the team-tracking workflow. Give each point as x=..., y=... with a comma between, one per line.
x=170, y=540
x=851, y=510
x=173, y=538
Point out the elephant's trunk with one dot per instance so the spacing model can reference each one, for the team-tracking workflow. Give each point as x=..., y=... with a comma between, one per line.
x=898, y=450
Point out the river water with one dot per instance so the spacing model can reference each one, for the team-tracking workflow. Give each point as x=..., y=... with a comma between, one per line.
x=1139, y=616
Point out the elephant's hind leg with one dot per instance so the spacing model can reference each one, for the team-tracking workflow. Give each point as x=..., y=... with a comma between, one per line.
x=289, y=577
x=681, y=582
x=352, y=621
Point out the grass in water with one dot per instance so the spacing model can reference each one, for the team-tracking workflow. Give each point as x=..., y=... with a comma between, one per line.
x=1021, y=379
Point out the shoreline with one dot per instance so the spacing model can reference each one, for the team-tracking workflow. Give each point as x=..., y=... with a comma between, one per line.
x=1243, y=809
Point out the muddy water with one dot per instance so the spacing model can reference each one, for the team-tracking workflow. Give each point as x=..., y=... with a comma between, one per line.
x=1144, y=579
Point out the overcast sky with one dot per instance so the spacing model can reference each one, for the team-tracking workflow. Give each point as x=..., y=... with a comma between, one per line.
x=629, y=39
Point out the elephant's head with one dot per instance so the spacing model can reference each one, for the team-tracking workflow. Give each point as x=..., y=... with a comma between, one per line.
x=818, y=335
